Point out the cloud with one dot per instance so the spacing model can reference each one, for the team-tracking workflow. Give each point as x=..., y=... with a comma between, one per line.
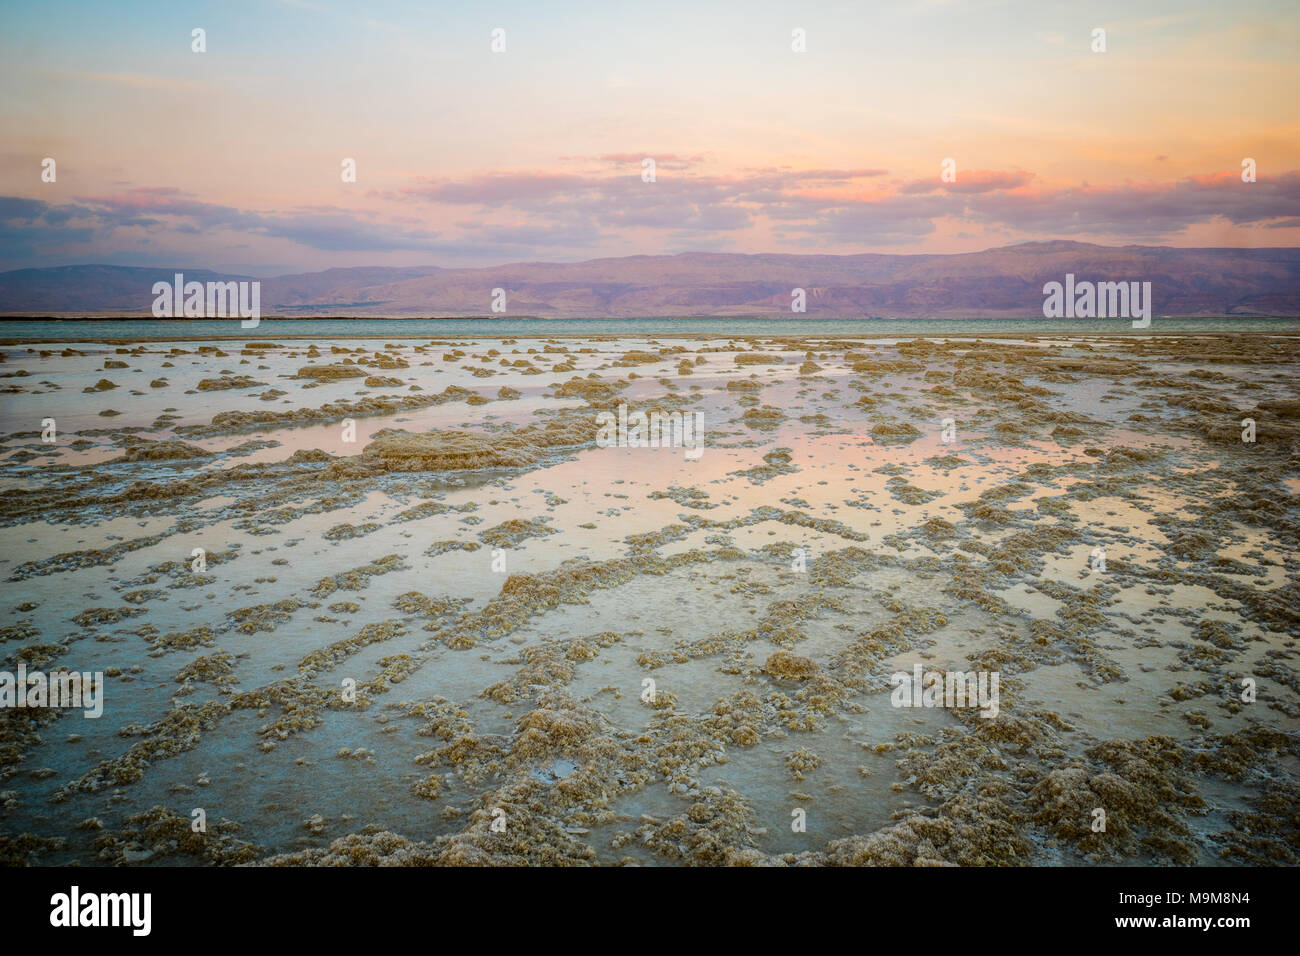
x=22, y=210
x=662, y=160
x=30, y=222
x=497, y=188
x=1142, y=210
x=546, y=214
x=974, y=181
x=626, y=201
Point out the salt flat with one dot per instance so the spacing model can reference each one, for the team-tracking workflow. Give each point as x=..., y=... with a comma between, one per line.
x=364, y=601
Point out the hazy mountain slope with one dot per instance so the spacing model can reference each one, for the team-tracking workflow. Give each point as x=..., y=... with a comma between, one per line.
x=997, y=282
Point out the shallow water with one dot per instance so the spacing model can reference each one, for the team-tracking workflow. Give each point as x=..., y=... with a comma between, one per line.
x=91, y=330
x=567, y=583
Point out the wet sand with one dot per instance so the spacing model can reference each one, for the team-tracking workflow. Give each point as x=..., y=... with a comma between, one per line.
x=435, y=525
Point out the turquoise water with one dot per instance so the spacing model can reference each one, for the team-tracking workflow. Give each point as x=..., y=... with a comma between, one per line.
x=83, y=330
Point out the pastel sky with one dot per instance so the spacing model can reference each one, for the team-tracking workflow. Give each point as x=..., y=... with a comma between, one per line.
x=230, y=159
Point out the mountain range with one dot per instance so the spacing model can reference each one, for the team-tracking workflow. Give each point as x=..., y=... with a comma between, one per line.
x=1001, y=282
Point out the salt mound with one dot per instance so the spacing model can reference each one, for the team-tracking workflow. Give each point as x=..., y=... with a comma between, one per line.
x=449, y=450
x=161, y=451
x=328, y=372
x=596, y=391
x=789, y=666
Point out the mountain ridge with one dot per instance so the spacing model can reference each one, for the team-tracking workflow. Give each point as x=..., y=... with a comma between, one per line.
x=1004, y=281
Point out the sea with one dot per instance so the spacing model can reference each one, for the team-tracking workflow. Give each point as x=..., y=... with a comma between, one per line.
x=141, y=329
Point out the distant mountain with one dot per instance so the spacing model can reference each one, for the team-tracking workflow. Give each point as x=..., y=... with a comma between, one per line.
x=88, y=288
x=1002, y=282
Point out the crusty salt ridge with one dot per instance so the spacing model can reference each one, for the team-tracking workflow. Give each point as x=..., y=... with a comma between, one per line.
x=517, y=695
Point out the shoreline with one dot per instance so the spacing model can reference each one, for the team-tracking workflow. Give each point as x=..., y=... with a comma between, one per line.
x=737, y=336
x=267, y=332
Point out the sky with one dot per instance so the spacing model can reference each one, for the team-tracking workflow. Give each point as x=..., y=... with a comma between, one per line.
x=232, y=158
